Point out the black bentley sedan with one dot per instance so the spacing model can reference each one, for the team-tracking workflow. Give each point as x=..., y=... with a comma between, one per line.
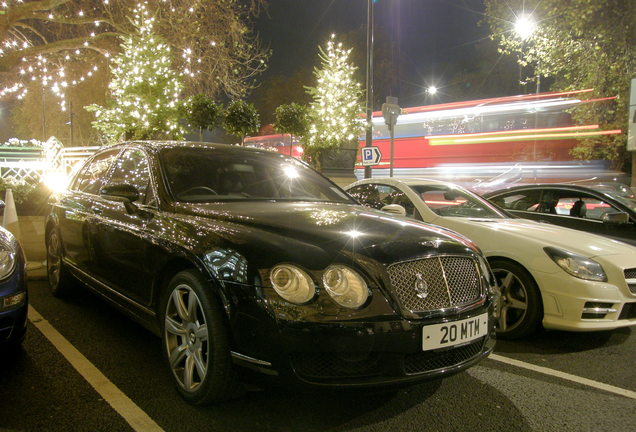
x=242, y=258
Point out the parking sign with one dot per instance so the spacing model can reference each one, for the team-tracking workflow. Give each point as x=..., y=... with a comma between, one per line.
x=371, y=156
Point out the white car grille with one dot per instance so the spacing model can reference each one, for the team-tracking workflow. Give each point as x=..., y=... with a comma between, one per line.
x=630, y=277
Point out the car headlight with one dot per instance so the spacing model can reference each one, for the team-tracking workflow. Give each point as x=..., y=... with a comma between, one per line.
x=7, y=260
x=292, y=283
x=577, y=265
x=345, y=286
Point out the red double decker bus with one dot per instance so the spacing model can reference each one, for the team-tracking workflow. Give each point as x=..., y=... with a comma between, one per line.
x=489, y=135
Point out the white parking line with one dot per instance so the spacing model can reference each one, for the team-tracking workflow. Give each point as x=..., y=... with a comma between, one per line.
x=565, y=376
x=135, y=416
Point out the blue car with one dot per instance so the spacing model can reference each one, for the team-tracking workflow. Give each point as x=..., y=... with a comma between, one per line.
x=13, y=290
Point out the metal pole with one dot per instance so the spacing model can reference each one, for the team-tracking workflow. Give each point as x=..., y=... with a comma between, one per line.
x=70, y=122
x=391, y=130
x=369, y=128
x=43, y=115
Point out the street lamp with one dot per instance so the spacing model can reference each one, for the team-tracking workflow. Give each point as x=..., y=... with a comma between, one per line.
x=525, y=26
x=432, y=90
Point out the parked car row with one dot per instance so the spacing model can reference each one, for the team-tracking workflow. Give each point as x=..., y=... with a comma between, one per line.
x=240, y=258
x=548, y=275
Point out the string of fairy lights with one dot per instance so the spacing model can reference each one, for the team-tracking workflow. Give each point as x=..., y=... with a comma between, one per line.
x=55, y=73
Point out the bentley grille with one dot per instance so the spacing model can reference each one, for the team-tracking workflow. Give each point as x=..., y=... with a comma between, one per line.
x=435, y=283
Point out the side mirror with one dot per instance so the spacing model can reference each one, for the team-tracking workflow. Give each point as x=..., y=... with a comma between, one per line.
x=124, y=193
x=394, y=209
x=616, y=218
x=120, y=192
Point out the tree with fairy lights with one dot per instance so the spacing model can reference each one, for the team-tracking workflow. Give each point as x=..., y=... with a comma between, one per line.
x=333, y=114
x=54, y=54
x=145, y=89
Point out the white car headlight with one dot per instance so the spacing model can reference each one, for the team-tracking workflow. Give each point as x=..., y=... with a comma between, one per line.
x=7, y=260
x=577, y=265
x=345, y=286
x=292, y=283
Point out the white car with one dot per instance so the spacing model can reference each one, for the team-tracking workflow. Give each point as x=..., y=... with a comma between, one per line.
x=563, y=278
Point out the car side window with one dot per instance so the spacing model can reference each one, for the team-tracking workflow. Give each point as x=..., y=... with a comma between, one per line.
x=92, y=175
x=132, y=168
x=522, y=201
x=583, y=206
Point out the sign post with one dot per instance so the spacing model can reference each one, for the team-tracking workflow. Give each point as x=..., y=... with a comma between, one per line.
x=631, y=128
x=391, y=110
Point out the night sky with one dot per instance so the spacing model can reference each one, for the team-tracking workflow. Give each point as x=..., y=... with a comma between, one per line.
x=426, y=36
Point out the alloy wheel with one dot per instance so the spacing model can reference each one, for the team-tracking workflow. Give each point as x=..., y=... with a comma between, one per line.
x=513, y=304
x=186, y=338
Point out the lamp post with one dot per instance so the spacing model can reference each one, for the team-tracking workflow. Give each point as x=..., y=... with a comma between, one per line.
x=525, y=26
x=368, y=142
x=43, y=114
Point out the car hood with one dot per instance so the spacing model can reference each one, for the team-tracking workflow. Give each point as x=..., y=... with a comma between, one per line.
x=319, y=231
x=494, y=233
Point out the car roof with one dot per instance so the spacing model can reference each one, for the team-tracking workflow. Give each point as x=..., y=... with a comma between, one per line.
x=410, y=181
x=581, y=188
x=156, y=145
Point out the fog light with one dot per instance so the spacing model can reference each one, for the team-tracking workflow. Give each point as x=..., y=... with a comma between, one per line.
x=14, y=300
x=597, y=310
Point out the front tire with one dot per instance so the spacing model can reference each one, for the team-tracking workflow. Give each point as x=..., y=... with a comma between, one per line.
x=520, y=307
x=196, y=341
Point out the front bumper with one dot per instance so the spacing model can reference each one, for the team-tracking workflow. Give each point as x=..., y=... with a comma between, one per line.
x=579, y=305
x=13, y=318
x=13, y=324
x=362, y=354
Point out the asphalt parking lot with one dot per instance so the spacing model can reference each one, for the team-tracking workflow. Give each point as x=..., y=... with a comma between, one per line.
x=85, y=367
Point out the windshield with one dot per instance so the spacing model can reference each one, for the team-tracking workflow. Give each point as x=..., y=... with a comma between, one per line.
x=446, y=200
x=199, y=174
x=630, y=203
x=614, y=189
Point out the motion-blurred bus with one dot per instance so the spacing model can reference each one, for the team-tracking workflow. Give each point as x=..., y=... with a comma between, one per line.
x=281, y=143
x=509, y=136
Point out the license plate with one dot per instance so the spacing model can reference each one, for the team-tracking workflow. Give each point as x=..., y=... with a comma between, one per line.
x=454, y=333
